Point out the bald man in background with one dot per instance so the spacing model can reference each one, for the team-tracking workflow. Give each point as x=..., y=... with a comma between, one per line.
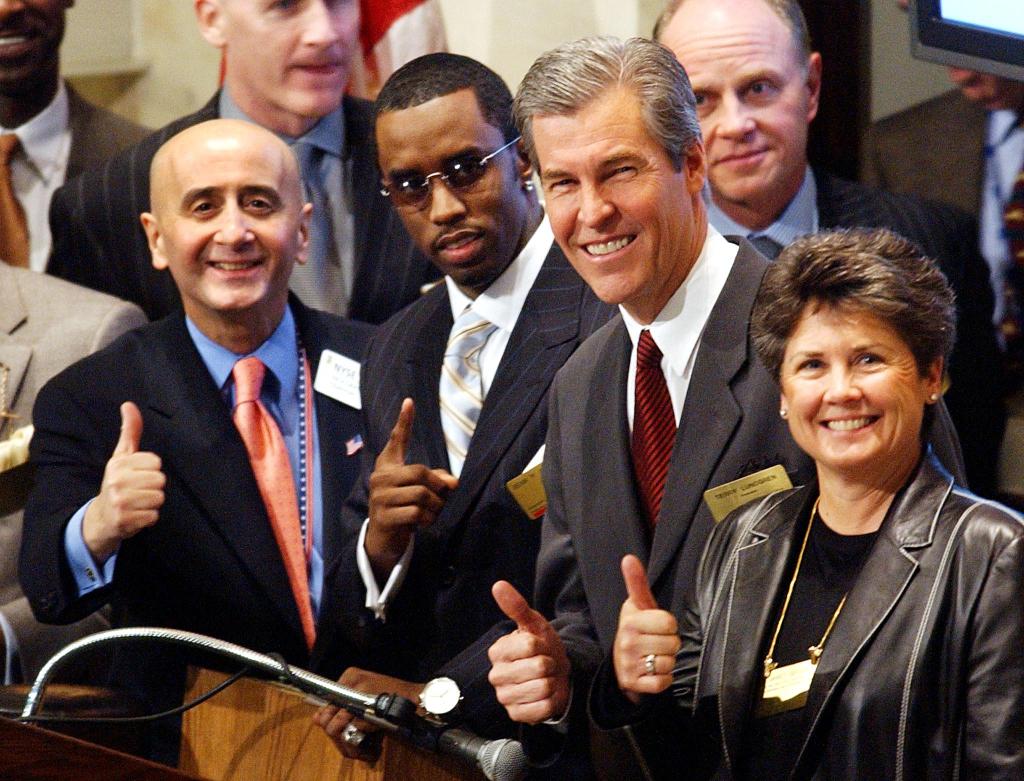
x=160, y=512
x=757, y=84
x=286, y=69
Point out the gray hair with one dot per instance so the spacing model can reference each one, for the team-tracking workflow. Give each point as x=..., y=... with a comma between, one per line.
x=567, y=78
x=873, y=271
x=788, y=11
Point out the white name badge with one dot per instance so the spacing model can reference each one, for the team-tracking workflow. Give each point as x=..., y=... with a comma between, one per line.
x=338, y=378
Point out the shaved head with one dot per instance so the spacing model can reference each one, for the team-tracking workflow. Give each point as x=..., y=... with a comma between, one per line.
x=221, y=137
x=227, y=220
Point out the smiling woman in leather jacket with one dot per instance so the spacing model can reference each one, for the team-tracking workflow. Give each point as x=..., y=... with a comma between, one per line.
x=870, y=624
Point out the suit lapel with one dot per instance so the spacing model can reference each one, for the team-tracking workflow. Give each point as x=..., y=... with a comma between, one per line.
x=431, y=329
x=192, y=430
x=15, y=357
x=905, y=534
x=371, y=211
x=608, y=463
x=544, y=337
x=711, y=412
x=761, y=569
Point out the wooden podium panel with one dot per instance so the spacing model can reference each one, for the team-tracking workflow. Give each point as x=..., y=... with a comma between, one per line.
x=260, y=731
x=29, y=753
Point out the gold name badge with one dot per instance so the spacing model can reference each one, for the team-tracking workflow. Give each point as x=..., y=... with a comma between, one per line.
x=785, y=689
x=725, y=498
x=528, y=491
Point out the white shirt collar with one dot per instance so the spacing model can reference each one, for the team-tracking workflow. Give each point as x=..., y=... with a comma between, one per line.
x=44, y=139
x=678, y=326
x=503, y=300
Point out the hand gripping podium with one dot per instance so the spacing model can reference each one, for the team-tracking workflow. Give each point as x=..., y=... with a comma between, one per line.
x=262, y=731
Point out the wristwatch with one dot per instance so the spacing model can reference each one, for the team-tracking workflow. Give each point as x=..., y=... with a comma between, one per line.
x=441, y=697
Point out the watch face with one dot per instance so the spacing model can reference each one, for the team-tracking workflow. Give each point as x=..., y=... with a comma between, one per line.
x=440, y=696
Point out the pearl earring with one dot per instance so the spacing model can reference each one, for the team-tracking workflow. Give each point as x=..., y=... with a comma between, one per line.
x=783, y=413
x=528, y=185
x=933, y=398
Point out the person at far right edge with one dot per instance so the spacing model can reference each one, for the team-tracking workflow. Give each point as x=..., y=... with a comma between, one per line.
x=868, y=624
x=757, y=84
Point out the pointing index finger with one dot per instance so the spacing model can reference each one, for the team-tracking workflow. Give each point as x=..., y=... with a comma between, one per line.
x=398, y=443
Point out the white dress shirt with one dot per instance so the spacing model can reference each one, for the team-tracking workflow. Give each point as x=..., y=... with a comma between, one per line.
x=501, y=303
x=39, y=169
x=678, y=327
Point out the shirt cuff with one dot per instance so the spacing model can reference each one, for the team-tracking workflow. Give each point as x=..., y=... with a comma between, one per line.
x=561, y=724
x=377, y=598
x=88, y=575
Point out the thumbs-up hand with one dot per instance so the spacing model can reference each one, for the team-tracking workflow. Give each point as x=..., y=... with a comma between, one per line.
x=403, y=496
x=529, y=667
x=647, y=639
x=131, y=493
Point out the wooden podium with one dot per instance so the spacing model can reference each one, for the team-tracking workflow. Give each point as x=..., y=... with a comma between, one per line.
x=30, y=753
x=261, y=731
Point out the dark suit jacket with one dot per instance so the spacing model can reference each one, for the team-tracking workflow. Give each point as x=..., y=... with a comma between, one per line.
x=210, y=564
x=99, y=242
x=921, y=676
x=482, y=535
x=730, y=427
x=935, y=149
x=950, y=237
x=96, y=135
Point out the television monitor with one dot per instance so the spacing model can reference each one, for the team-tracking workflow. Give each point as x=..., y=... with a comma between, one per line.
x=981, y=35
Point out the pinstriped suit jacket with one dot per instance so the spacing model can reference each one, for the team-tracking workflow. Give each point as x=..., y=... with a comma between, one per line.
x=435, y=624
x=98, y=240
x=96, y=134
x=950, y=237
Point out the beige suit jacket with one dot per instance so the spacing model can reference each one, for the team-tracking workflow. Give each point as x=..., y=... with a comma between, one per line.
x=46, y=324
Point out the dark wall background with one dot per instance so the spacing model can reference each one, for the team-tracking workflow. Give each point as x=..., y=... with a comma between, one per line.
x=840, y=30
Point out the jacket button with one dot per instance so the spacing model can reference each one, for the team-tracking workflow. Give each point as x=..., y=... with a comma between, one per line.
x=448, y=578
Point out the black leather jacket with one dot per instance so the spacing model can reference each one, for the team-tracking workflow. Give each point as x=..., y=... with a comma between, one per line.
x=922, y=677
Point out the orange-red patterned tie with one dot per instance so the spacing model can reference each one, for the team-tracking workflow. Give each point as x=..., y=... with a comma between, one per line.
x=13, y=227
x=654, y=426
x=269, y=458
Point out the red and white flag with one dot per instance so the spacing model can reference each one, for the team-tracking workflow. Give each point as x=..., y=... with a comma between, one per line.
x=394, y=32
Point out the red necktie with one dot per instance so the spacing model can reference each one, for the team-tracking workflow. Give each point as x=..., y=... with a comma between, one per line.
x=654, y=426
x=269, y=458
x=13, y=227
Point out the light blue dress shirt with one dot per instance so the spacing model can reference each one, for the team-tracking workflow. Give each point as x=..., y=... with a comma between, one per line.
x=280, y=395
x=799, y=218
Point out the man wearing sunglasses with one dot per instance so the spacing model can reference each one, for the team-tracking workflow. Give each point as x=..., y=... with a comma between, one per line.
x=454, y=394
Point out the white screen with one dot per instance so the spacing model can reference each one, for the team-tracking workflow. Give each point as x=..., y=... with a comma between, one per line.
x=1003, y=15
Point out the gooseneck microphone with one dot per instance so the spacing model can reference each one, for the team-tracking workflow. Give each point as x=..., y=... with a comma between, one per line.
x=498, y=760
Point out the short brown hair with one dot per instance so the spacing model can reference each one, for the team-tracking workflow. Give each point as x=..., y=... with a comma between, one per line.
x=873, y=271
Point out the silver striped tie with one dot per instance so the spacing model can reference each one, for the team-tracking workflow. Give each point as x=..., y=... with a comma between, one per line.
x=461, y=387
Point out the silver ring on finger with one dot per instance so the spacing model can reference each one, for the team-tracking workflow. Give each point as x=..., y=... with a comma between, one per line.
x=353, y=736
x=649, y=662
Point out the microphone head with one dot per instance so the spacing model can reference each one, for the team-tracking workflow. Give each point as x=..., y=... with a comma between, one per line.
x=503, y=760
